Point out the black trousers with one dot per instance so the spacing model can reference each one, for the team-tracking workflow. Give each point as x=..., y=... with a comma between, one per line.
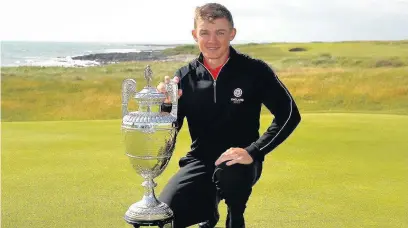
x=194, y=192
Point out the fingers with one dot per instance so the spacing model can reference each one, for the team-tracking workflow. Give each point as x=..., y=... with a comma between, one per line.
x=162, y=86
x=227, y=155
x=234, y=156
x=176, y=79
x=235, y=161
x=166, y=79
x=222, y=159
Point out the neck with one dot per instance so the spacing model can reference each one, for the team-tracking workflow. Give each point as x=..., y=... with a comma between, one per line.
x=214, y=63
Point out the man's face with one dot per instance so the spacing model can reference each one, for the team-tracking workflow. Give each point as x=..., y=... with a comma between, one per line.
x=214, y=37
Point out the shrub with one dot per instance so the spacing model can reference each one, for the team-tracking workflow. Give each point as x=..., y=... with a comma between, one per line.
x=297, y=49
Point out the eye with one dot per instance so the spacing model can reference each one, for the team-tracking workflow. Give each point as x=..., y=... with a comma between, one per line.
x=220, y=33
x=203, y=33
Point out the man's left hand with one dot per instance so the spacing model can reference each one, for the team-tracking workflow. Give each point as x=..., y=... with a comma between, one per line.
x=235, y=155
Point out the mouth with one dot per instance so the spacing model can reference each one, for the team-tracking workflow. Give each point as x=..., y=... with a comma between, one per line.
x=212, y=48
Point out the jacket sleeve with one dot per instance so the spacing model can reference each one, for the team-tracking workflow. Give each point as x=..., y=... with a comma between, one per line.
x=276, y=97
x=180, y=107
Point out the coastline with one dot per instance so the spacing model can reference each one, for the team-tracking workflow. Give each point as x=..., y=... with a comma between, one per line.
x=79, y=54
x=117, y=57
x=102, y=59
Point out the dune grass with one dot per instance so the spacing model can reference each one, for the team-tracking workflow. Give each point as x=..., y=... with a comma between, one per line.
x=366, y=54
x=58, y=94
x=337, y=170
x=370, y=77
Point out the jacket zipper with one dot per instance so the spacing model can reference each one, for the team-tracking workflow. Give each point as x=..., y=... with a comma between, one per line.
x=215, y=80
x=215, y=90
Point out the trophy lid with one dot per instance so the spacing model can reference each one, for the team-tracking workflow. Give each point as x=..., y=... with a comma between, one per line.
x=149, y=115
x=149, y=95
x=137, y=120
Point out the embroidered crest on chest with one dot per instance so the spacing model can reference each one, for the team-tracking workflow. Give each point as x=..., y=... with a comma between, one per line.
x=237, y=99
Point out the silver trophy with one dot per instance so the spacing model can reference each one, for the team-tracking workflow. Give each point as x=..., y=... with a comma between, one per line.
x=149, y=138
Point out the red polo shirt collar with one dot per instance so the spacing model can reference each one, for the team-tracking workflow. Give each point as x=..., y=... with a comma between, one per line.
x=216, y=71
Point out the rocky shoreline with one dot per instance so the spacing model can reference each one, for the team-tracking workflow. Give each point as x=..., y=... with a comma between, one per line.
x=116, y=57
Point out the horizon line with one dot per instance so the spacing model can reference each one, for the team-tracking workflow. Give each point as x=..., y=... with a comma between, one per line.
x=162, y=43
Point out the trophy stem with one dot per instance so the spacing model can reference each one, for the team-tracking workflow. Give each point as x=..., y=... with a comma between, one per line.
x=149, y=196
x=149, y=209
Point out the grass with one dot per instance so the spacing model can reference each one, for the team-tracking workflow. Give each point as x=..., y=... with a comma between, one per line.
x=368, y=54
x=63, y=163
x=369, y=77
x=35, y=93
x=337, y=170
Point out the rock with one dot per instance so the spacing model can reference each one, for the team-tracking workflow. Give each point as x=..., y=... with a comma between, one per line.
x=106, y=58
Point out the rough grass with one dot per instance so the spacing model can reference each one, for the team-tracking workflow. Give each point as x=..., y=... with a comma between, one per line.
x=95, y=93
x=328, y=77
x=368, y=54
x=337, y=170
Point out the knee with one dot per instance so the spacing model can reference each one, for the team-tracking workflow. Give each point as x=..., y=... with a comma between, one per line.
x=234, y=179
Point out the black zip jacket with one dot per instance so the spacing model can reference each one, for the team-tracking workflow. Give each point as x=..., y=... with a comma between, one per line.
x=225, y=112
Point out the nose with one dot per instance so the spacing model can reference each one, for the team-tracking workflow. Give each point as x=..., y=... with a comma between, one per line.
x=213, y=38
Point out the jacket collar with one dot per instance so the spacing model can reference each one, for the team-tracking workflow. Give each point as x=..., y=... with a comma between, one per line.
x=201, y=70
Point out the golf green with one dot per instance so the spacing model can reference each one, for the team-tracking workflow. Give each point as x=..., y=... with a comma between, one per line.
x=336, y=170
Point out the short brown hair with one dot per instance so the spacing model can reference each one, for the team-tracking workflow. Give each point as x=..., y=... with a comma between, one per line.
x=212, y=11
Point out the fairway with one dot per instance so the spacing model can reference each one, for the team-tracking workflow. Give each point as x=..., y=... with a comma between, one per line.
x=336, y=170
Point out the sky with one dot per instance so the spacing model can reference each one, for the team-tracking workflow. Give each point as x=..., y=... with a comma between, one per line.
x=171, y=21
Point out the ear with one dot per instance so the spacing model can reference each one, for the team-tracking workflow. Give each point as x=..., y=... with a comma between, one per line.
x=194, y=34
x=233, y=33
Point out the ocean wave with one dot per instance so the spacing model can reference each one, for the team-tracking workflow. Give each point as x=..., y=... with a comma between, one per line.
x=128, y=50
x=59, y=62
x=47, y=54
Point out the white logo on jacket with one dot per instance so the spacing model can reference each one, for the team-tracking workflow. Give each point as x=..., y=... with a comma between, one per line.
x=237, y=94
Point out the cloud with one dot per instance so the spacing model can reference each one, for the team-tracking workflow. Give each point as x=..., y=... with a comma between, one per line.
x=171, y=21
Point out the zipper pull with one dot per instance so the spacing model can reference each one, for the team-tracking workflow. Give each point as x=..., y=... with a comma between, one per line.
x=215, y=91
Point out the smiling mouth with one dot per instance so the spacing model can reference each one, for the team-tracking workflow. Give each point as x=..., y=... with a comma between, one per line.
x=212, y=48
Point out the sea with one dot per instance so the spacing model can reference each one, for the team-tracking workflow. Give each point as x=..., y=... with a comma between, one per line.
x=29, y=53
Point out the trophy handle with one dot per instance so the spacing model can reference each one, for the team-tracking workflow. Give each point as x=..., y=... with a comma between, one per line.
x=172, y=92
x=128, y=89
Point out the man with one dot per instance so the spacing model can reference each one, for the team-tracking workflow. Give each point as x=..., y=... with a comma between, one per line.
x=222, y=94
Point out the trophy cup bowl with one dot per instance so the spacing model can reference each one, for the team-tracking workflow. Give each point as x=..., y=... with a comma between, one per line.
x=149, y=138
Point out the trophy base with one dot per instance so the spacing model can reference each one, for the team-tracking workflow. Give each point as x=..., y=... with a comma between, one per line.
x=167, y=223
x=139, y=213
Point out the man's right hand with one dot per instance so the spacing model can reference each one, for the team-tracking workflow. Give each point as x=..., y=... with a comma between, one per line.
x=162, y=87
